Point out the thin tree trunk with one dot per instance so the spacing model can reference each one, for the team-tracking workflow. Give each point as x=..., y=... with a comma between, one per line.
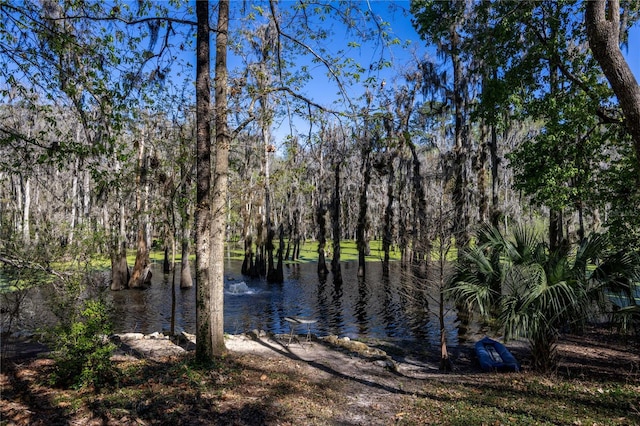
x=421, y=244
x=220, y=183
x=481, y=169
x=335, y=222
x=388, y=219
x=186, y=281
x=461, y=231
x=74, y=200
x=362, y=212
x=26, y=207
x=320, y=212
x=322, y=239
x=204, y=319
x=495, y=178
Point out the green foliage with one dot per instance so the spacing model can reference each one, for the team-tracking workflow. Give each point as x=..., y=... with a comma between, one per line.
x=537, y=293
x=82, y=350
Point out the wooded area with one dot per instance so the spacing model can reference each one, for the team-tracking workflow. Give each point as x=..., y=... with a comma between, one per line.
x=513, y=114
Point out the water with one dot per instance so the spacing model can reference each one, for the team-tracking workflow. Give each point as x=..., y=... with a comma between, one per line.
x=374, y=308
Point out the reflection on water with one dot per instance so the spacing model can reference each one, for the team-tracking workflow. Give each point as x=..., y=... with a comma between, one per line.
x=392, y=308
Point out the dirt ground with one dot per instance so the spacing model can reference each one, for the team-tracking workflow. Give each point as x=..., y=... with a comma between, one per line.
x=324, y=381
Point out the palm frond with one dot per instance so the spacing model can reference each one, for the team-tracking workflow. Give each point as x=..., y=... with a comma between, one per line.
x=526, y=245
x=474, y=294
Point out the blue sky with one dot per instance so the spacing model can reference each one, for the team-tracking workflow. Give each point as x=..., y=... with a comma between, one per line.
x=325, y=91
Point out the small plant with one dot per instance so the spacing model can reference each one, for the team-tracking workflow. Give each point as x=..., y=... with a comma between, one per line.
x=82, y=350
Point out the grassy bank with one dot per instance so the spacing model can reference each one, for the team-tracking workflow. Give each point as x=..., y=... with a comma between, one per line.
x=308, y=252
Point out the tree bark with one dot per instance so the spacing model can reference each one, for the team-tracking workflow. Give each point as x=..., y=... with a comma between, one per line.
x=495, y=178
x=140, y=268
x=186, y=280
x=387, y=237
x=322, y=239
x=335, y=221
x=119, y=266
x=204, y=320
x=220, y=182
x=603, y=31
x=421, y=246
x=361, y=230
x=460, y=190
x=25, y=184
x=141, y=273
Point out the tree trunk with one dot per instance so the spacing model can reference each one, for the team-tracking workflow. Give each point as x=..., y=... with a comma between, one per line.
x=119, y=270
x=278, y=276
x=204, y=320
x=556, y=231
x=445, y=361
x=361, y=230
x=247, y=263
x=495, y=178
x=461, y=223
x=335, y=222
x=119, y=267
x=388, y=219
x=186, y=280
x=141, y=273
x=481, y=173
x=220, y=182
x=74, y=201
x=166, y=263
x=421, y=244
x=25, y=183
x=140, y=268
x=269, y=247
x=603, y=30
x=322, y=239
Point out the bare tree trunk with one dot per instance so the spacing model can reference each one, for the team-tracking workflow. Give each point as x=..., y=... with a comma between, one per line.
x=278, y=276
x=220, y=184
x=74, y=200
x=480, y=170
x=603, y=30
x=141, y=272
x=119, y=267
x=495, y=178
x=461, y=147
x=388, y=218
x=269, y=246
x=25, y=184
x=555, y=215
x=321, y=221
x=335, y=222
x=322, y=239
x=421, y=244
x=204, y=319
x=361, y=229
x=186, y=281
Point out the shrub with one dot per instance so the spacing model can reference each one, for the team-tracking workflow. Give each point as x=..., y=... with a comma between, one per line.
x=81, y=349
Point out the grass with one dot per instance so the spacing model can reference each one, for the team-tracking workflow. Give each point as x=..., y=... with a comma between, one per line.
x=530, y=400
x=308, y=252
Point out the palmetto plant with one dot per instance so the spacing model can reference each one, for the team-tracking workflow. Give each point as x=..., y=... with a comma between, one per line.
x=534, y=293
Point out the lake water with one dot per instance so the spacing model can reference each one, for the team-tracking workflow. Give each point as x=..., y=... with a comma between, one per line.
x=373, y=307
